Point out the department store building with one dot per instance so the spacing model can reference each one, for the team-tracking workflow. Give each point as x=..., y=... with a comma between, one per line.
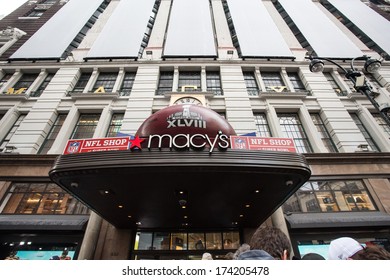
x=180, y=80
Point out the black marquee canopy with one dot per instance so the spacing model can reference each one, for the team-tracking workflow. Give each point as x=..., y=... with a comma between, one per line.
x=175, y=189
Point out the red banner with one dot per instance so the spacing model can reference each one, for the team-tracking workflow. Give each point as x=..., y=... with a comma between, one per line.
x=77, y=146
x=263, y=143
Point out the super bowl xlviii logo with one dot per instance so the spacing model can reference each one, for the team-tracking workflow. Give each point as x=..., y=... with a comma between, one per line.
x=73, y=147
x=186, y=118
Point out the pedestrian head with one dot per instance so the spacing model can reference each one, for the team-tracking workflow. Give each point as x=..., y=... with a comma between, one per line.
x=343, y=248
x=273, y=241
x=313, y=256
x=372, y=252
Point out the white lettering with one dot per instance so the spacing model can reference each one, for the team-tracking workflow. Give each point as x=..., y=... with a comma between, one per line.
x=92, y=143
x=114, y=142
x=259, y=141
x=160, y=137
x=280, y=142
x=224, y=139
x=212, y=145
x=186, y=145
x=196, y=141
x=195, y=145
x=171, y=123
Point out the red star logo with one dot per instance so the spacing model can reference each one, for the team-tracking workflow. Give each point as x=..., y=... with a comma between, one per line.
x=136, y=143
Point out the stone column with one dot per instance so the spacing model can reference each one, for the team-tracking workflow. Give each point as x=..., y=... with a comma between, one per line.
x=91, y=236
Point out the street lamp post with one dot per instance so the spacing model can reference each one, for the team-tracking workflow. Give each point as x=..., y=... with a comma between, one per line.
x=371, y=66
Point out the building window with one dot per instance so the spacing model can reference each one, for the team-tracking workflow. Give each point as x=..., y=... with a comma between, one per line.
x=40, y=198
x=296, y=81
x=381, y=122
x=330, y=196
x=23, y=84
x=337, y=89
x=292, y=128
x=189, y=81
x=43, y=86
x=105, y=82
x=52, y=135
x=149, y=27
x=273, y=82
x=49, y=2
x=251, y=84
x=370, y=141
x=115, y=125
x=86, y=126
x=36, y=13
x=5, y=79
x=195, y=241
x=127, y=84
x=324, y=133
x=213, y=81
x=262, y=125
x=232, y=30
x=165, y=82
x=82, y=82
x=11, y=132
x=83, y=32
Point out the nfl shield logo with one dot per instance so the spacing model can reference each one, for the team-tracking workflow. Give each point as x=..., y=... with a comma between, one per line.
x=240, y=143
x=73, y=147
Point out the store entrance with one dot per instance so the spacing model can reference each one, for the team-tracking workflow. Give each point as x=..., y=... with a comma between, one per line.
x=185, y=255
x=189, y=245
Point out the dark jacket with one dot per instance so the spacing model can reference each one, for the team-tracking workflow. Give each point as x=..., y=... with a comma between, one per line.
x=255, y=255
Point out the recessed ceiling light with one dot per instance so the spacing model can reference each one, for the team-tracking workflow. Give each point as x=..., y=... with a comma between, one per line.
x=247, y=205
x=120, y=206
x=185, y=217
x=106, y=192
x=241, y=216
x=183, y=207
x=129, y=216
x=257, y=191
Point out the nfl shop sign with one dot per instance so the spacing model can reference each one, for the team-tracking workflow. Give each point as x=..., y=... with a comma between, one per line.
x=97, y=145
x=263, y=143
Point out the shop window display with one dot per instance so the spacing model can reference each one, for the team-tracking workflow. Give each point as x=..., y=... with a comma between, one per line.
x=40, y=198
x=179, y=241
x=330, y=196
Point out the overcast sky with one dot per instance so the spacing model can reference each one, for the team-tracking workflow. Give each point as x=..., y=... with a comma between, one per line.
x=8, y=6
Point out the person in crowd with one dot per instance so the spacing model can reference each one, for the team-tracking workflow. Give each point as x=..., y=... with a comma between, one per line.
x=12, y=256
x=207, y=256
x=228, y=244
x=343, y=248
x=312, y=256
x=267, y=243
x=371, y=252
x=229, y=256
x=346, y=248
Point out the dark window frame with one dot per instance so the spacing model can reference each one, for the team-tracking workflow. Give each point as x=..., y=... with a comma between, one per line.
x=84, y=127
x=294, y=129
x=251, y=84
x=53, y=133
